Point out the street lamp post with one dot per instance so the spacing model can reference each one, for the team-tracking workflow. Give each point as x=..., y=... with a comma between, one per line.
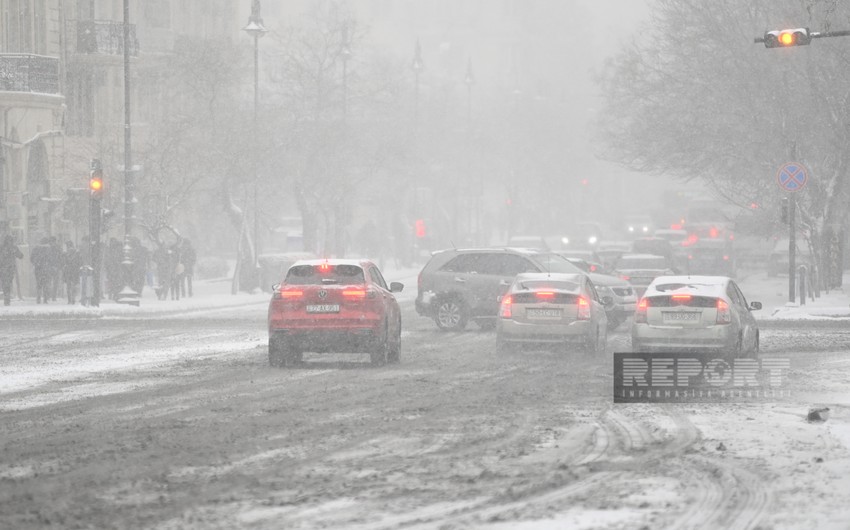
x=256, y=29
x=128, y=294
x=345, y=53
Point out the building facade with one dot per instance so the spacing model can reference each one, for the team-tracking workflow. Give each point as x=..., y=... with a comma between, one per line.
x=62, y=102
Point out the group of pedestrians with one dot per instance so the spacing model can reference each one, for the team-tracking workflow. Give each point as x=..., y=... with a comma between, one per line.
x=55, y=268
x=175, y=265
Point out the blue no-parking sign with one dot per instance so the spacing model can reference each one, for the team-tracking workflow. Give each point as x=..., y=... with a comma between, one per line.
x=792, y=177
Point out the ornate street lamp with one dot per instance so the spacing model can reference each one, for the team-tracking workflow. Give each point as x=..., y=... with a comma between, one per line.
x=256, y=29
x=128, y=294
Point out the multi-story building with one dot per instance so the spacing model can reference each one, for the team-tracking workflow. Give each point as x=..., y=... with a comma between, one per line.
x=62, y=100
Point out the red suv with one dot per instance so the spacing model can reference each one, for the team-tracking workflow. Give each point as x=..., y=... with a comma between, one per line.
x=338, y=306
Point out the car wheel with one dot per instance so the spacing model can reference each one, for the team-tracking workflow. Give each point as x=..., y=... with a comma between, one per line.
x=591, y=343
x=275, y=353
x=394, y=353
x=380, y=352
x=451, y=315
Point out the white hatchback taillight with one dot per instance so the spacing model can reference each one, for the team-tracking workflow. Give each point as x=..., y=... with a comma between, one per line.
x=505, y=308
x=583, y=312
x=640, y=311
x=724, y=315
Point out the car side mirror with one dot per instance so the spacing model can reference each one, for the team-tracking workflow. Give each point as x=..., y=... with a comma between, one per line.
x=275, y=287
x=755, y=306
x=607, y=301
x=396, y=287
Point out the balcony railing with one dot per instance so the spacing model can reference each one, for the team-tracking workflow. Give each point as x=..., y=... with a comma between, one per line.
x=104, y=37
x=29, y=73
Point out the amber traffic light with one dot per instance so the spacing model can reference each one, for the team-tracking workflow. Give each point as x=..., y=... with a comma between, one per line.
x=96, y=183
x=784, y=38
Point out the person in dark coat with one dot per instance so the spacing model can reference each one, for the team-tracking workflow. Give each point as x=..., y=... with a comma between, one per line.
x=71, y=264
x=164, y=273
x=40, y=259
x=9, y=252
x=55, y=264
x=139, y=269
x=188, y=257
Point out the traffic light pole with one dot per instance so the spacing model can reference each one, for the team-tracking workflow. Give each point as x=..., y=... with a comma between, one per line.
x=95, y=216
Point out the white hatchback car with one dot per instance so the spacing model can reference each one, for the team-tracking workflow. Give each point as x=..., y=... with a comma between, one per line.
x=555, y=309
x=695, y=313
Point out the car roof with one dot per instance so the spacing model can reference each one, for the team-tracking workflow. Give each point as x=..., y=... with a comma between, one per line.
x=555, y=276
x=332, y=261
x=697, y=285
x=641, y=256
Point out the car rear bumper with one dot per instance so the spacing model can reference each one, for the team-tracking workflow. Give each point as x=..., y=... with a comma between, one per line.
x=718, y=337
x=425, y=303
x=513, y=331
x=349, y=340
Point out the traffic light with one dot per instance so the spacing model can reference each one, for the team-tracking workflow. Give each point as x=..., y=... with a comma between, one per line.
x=96, y=183
x=784, y=38
x=420, y=228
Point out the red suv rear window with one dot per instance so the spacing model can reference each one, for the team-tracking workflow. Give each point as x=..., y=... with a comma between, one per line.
x=325, y=274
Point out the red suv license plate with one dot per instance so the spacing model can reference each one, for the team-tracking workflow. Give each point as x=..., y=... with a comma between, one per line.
x=323, y=308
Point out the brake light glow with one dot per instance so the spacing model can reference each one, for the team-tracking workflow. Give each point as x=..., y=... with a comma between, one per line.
x=624, y=277
x=712, y=232
x=505, y=308
x=546, y=295
x=324, y=267
x=725, y=258
x=724, y=315
x=640, y=311
x=354, y=293
x=289, y=295
x=583, y=309
x=681, y=298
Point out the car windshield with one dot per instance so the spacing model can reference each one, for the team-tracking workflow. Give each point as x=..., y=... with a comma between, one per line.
x=324, y=274
x=649, y=262
x=556, y=263
x=542, y=285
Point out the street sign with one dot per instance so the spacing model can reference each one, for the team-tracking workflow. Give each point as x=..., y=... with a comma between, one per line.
x=792, y=177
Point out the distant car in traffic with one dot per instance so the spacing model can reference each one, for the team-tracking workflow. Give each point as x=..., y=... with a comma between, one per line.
x=710, y=256
x=621, y=292
x=640, y=269
x=552, y=308
x=696, y=313
x=335, y=305
x=459, y=285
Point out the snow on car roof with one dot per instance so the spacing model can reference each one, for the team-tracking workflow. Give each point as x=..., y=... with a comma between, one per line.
x=699, y=285
x=332, y=261
x=555, y=276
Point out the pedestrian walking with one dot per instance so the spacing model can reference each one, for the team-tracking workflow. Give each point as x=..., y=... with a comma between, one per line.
x=40, y=259
x=72, y=262
x=9, y=252
x=188, y=258
x=164, y=273
x=55, y=265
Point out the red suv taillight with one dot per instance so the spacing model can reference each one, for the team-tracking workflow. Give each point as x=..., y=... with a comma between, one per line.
x=288, y=295
x=583, y=312
x=724, y=315
x=640, y=311
x=505, y=308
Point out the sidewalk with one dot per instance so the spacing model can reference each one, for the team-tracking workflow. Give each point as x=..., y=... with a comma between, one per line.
x=773, y=294
x=208, y=294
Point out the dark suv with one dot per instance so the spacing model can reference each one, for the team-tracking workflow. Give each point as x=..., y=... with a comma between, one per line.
x=458, y=285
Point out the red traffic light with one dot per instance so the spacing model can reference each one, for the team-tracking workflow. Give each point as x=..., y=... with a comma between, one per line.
x=420, y=228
